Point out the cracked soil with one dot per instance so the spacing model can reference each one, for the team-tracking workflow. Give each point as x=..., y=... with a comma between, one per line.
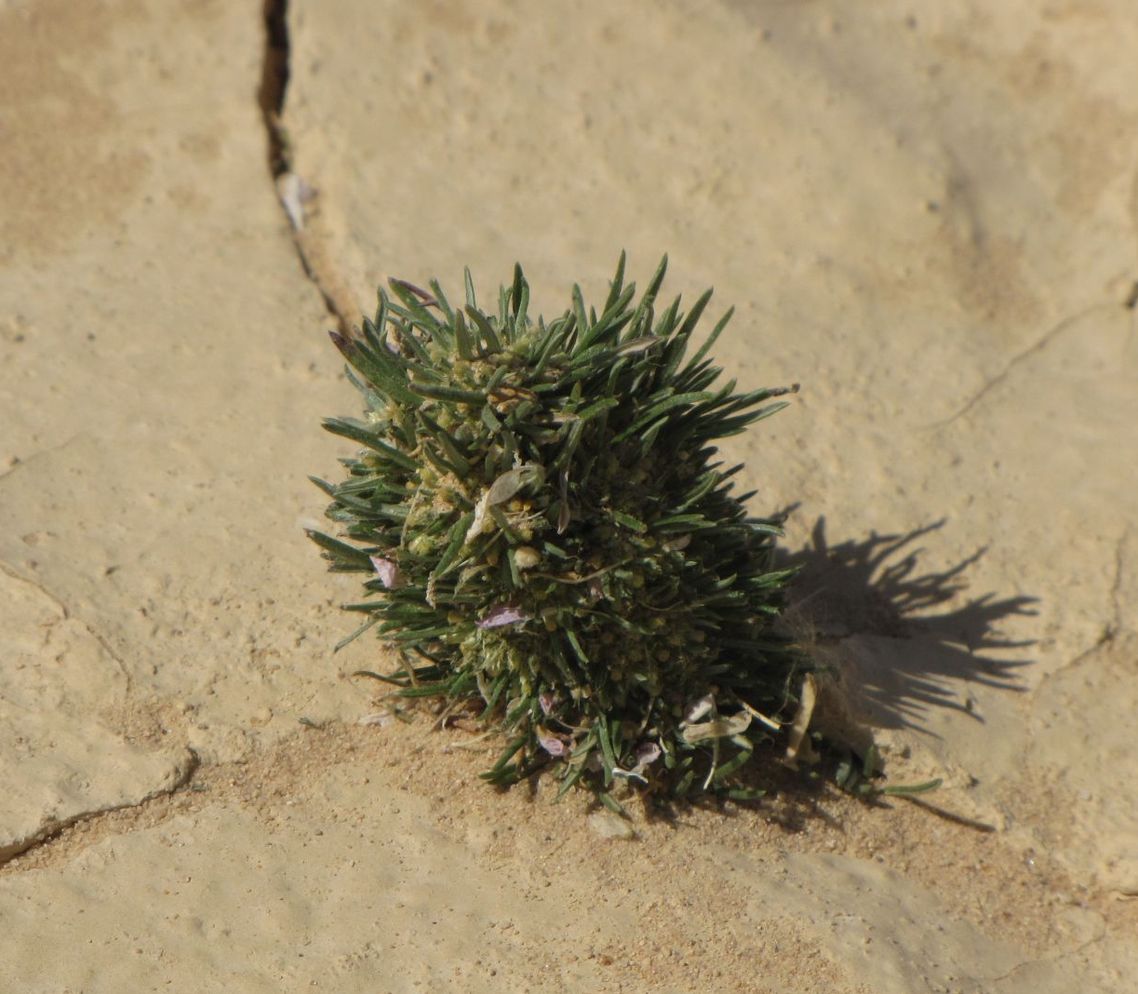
x=928, y=217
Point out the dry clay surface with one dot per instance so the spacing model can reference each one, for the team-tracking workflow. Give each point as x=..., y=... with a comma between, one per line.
x=927, y=217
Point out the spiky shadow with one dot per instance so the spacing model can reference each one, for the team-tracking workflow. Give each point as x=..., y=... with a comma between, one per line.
x=912, y=645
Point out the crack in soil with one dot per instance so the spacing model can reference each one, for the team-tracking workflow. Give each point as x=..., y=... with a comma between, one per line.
x=271, y=95
x=264, y=782
x=1112, y=628
x=274, y=82
x=1117, y=621
x=55, y=830
x=1038, y=346
x=65, y=614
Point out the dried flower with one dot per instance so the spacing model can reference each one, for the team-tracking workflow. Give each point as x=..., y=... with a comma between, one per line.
x=503, y=614
x=552, y=745
x=386, y=570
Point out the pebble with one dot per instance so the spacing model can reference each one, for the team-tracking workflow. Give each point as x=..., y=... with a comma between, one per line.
x=609, y=825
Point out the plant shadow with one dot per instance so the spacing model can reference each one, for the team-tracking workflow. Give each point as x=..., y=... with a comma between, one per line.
x=908, y=644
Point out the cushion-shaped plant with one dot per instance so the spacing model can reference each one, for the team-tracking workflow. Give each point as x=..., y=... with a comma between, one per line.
x=547, y=536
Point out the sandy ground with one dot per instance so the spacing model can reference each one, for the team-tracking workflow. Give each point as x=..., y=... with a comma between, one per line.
x=925, y=213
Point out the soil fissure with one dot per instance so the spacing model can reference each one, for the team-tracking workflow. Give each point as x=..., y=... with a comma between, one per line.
x=271, y=96
x=55, y=830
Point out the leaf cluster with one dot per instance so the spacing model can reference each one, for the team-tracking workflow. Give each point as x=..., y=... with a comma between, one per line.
x=546, y=533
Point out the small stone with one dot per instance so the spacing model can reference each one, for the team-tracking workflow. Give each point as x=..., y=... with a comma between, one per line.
x=609, y=825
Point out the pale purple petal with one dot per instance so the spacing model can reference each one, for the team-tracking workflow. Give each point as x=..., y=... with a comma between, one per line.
x=646, y=754
x=503, y=614
x=387, y=571
x=555, y=747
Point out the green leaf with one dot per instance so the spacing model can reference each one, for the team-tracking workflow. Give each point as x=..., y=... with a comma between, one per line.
x=493, y=344
x=725, y=770
x=612, y=320
x=746, y=794
x=455, y=540
x=520, y=301
x=398, y=681
x=607, y=753
x=464, y=342
x=471, y=301
x=370, y=623
x=441, y=300
x=378, y=367
x=617, y=284
x=598, y=407
x=341, y=551
x=358, y=433
x=628, y=521
x=454, y=456
x=612, y=803
x=705, y=348
x=703, y=487
x=454, y=394
x=577, y=650
x=661, y=407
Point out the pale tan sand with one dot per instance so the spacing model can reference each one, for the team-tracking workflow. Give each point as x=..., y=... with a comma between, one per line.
x=928, y=218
